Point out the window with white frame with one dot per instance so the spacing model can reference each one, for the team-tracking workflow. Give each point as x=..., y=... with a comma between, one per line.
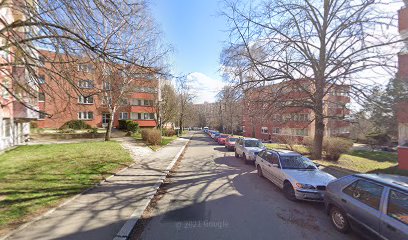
x=299, y=132
x=86, y=100
x=85, y=68
x=107, y=85
x=106, y=100
x=276, y=130
x=86, y=84
x=123, y=116
x=41, y=97
x=264, y=130
x=85, y=115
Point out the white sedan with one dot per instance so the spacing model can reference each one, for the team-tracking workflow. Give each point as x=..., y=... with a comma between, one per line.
x=297, y=175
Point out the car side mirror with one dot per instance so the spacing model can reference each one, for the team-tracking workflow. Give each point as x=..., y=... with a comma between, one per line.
x=276, y=165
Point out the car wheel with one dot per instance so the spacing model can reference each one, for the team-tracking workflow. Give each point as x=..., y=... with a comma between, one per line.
x=245, y=158
x=339, y=220
x=259, y=170
x=289, y=191
x=236, y=155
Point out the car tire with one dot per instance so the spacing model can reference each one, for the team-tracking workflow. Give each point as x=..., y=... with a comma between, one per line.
x=259, y=171
x=289, y=192
x=245, y=158
x=339, y=220
x=236, y=155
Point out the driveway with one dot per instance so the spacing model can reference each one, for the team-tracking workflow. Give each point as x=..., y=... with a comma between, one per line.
x=213, y=195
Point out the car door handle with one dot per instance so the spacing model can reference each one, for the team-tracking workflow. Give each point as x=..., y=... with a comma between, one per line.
x=344, y=200
x=391, y=228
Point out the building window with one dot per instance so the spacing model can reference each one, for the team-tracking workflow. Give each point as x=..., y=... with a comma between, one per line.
x=264, y=130
x=86, y=84
x=300, y=132
x=41, y=97
x=123, y=116
x=41, y=79
x=123, y=102
x=85, y=100
x=41, y=115
x=85, y=115
x=276, y=130
x=41, y=61
x=85, y=68
x=107, y=85
x=7, y=126
x=106, y=100
x=148, y=102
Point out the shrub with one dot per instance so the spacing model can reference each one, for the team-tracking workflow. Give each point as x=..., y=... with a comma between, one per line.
x=128, y=125
x=66, y=130
x=33, y=125
x=335, y=146
x=308, y=142
x=169, y=132
x=76, y=125
x=151, y=136
x=93, y=130
x=378, y=139
x=132, y=126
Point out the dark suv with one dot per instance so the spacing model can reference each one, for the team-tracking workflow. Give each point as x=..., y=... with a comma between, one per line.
x=373, y=204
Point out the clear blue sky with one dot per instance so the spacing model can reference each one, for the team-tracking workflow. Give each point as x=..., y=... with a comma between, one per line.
x=196, y=31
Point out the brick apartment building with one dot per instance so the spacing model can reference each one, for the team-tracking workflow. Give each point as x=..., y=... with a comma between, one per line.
x=269, y=120
x=403, y=76
x=15, y=116
x=84, y=98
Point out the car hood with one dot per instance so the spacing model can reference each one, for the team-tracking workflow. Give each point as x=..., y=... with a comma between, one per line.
x=313, y=177
x=254, y=149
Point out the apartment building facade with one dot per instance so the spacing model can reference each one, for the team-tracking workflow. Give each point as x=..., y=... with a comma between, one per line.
x=89, y=97
x=402, y=75
x=17, y=107
x=267, y=118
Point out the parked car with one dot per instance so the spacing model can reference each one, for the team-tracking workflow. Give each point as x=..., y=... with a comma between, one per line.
x=373, y=204
x=213, y=134
x=297, y=175
x=221, y=139
x=248, y=148
x=216, y=136
x=230, y=142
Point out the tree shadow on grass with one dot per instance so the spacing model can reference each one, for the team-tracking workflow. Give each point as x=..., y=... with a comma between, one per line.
x=391, y=170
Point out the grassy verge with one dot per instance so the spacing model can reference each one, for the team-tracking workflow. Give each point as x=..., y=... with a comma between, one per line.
x=363, y=161
x=35, y=178
x=358, y=161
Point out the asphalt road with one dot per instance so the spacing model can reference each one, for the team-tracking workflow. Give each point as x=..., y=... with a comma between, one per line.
x=214, y=195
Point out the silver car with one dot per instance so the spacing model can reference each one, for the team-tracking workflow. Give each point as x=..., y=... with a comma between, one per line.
x=297, y=175
x=248, y=148
x=375, y=205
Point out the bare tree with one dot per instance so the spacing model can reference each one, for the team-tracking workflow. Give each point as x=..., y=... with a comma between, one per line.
x=230, y=109
x=168, y=106
x=185, y=97
x=311, y=47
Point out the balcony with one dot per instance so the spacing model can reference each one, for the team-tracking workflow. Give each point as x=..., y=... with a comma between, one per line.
x=21, y=112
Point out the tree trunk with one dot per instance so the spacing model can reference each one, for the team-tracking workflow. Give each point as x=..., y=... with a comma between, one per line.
x=319, y=132
x=110, y=124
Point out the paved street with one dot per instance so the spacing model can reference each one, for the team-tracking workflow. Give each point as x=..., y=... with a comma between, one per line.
x=213, y=195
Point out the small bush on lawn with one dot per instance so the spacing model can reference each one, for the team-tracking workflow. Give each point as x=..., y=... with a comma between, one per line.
x=76, y=125
x=151, y=136
x=169, y=132
x=308, y=142
x=334, y=147
x=128, y=125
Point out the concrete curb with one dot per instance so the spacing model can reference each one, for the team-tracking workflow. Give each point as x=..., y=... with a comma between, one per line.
x=126, y=230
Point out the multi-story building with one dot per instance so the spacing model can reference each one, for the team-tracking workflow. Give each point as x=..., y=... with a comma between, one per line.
x=17, y=107
x=277, y=112
x=402, y=75
x=86, y=96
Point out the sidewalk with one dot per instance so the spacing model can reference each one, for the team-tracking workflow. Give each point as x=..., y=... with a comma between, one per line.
x=101, y=212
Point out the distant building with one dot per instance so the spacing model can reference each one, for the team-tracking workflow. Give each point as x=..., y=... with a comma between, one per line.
x=83, y=98
x=271, y=114
x=15, y=115
x=402, y=75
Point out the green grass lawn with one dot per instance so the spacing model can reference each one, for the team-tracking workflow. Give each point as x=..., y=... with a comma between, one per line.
x=35, y=178
x=359, y=161
x=363, y=161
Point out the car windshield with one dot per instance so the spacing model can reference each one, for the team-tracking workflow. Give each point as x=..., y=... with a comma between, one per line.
x=232, y=139
x=296, y=162
x=223, y=136
x=253, y=143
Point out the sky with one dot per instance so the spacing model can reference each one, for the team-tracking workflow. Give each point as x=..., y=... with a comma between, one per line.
x=197, y=32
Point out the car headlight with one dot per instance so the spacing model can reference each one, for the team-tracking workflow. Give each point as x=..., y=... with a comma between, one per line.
x=304, y=186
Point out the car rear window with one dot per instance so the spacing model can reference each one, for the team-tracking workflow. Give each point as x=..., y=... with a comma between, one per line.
x=398, y=206
x=223, y=136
